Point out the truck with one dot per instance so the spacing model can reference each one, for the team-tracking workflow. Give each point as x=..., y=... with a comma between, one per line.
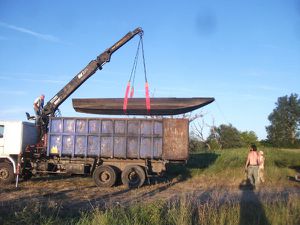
x=108, y=149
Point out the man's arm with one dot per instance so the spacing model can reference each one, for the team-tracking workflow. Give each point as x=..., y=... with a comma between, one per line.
x=247, y=162
x=35, y=104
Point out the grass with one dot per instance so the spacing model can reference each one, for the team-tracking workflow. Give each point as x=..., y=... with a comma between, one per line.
x=227, y=166
x=183, y=211
x=205, y=170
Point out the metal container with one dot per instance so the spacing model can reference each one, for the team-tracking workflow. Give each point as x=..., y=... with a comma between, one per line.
x=165, y=139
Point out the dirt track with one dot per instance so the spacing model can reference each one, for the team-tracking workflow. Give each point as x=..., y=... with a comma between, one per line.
x=73, y=194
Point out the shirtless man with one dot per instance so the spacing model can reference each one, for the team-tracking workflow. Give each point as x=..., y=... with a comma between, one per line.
x=252, y=165
x=38, y=105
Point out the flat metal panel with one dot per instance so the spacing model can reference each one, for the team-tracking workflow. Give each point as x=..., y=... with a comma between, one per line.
x=56, y=126
x=107, y=127
x=81, y=126
x=120, y=147
x=69, y=125
x=55, y=144
x=145, y=148
x=146, y=127
x=133, y=127
x=157, y=148
x=106, y=147
x=93, y=146
x=67, y=145
x=120, y=127
x=175, y=144
x=136, y=106
x=158, y=128
x=133, y=147
x=80, y=145
x=94, y=127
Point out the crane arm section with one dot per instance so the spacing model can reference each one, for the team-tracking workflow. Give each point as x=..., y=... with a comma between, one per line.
x=86, y=73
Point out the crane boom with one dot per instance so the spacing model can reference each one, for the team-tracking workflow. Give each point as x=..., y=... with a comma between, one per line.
x=84, y=74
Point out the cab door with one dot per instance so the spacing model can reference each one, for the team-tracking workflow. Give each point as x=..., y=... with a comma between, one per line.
x=1, y=139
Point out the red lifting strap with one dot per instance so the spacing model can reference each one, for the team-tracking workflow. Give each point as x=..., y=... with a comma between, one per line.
x=126, y=98
x=147, y=97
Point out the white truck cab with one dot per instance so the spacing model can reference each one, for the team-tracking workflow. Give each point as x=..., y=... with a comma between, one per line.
x=14, y=137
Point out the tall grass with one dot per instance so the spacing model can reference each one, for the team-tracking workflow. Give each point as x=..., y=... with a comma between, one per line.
x=205, y=169
x=182, y=211
x=226, y=167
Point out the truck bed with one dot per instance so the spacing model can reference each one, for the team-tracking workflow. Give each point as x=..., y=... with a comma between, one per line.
x=165, y=139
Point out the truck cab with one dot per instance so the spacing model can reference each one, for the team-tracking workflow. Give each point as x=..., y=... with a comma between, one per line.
x=14, y=137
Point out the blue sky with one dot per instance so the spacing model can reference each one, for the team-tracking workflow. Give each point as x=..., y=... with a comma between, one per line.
x=245, y=54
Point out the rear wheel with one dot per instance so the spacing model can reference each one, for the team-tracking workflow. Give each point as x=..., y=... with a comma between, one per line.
x=133, y=176
x=105, y=176
x=6, y=173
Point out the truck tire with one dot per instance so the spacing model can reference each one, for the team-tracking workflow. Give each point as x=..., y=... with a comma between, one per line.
x=133, y=176
x=6, y=173
x=105, y=176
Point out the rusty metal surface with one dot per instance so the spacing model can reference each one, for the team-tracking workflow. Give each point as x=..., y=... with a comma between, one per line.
x=108, y=138
x=137, y=106
x=118, y=138
x=176, y=139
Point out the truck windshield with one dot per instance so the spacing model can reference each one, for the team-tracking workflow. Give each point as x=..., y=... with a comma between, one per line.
x=1, y=131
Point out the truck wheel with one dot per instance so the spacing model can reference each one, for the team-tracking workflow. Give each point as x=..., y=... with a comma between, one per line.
x=105, y=176
x=6, y=173
x=133, y=176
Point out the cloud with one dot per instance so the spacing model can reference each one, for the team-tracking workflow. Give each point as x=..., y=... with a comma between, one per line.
x=46, y=37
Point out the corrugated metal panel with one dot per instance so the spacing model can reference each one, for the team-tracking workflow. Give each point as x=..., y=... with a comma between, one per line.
x=108, y=138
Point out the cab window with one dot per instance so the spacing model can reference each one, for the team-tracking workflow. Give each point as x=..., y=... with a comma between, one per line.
x=1, y=131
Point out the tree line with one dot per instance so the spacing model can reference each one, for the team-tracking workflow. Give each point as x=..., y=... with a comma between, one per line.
x=283, y=131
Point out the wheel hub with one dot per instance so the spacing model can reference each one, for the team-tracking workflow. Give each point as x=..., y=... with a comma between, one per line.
x=133, y=177
x=4, y=174
x=104, y=177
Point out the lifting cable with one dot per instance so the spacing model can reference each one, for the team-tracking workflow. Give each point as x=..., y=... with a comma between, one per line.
x=146, y=80
x=130, y=87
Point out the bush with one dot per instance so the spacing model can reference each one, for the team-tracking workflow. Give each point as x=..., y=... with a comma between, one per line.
x=196, y=145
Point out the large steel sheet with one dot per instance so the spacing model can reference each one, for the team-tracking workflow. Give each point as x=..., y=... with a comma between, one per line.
x=137, y=106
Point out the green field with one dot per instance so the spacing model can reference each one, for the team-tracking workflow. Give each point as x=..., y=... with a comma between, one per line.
x=220, y=173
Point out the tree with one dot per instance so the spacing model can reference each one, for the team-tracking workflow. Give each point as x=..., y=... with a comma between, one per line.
x=285, y=121
x=227, y=136
x=248, y=138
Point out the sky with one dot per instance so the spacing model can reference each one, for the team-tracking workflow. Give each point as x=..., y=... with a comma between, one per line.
x=245, y=54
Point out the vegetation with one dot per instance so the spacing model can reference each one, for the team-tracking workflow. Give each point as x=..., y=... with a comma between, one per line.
x=227, y=135
x=283, y=131
x=182, y=211
x=222, y=137
x=285, y=122
x=208, y=170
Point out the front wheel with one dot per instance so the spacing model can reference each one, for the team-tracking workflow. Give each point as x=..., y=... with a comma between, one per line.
x=6, y=173
x=133, y=176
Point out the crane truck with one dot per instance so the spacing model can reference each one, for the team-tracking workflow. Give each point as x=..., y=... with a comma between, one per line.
x=108, y=149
